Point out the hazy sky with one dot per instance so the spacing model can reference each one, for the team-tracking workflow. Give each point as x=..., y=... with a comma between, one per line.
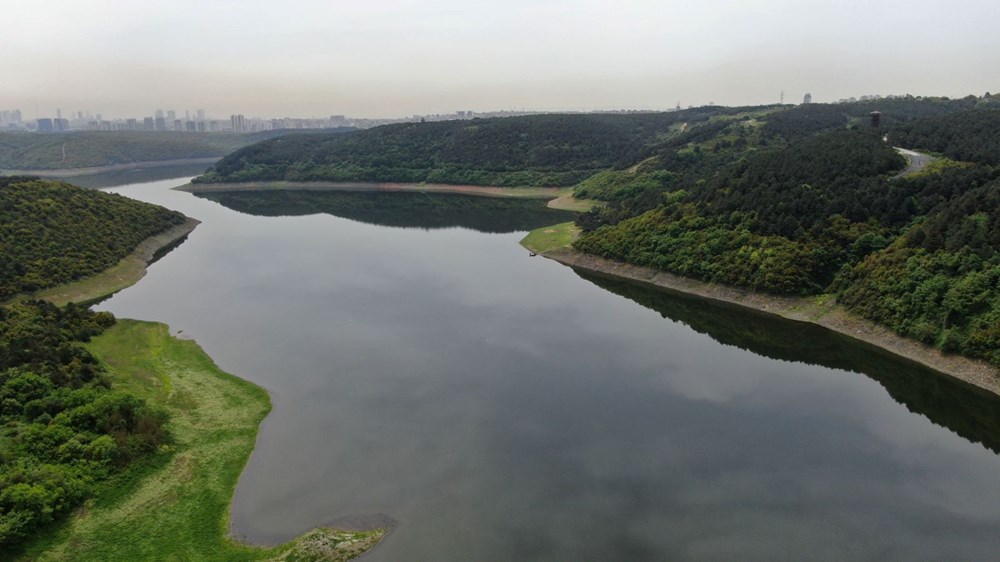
x=391, y=58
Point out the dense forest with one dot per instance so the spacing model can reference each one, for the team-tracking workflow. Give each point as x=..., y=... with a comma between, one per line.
x=64, y=429
x=810, y=203
x=968, y=136
x=53, y=232
x=538, y=150
x=84, y=149
x=406, y=210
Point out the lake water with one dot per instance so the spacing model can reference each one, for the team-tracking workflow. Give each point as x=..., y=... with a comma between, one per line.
x=503, y=407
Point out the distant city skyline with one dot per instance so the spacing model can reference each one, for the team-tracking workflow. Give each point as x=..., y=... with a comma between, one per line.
x=396, y=58
x=199, y=121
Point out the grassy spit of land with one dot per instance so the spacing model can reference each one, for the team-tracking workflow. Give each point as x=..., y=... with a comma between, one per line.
x=176, y=505
x=555, y=242
x=125, y=273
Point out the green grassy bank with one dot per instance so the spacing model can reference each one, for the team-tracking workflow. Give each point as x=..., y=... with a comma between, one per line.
x=550, y=238
x=175, y=506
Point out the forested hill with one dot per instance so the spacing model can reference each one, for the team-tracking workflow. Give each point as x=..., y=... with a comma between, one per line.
x=969, y=136
x=540, y=150
x=40, y=151
x=53, y=232
x=63, y=429
x=807, y=201
x=554, y=150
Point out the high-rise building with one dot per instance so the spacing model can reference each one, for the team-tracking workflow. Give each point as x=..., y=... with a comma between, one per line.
x=161, y=123
x=239, y=123
x=201, y=115
x=148, y=124
x=171, y=115
x=159, y=114
x=131, y=125
x=808, y=98
x=45, y=125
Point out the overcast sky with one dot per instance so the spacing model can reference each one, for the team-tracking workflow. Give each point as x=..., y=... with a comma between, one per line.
x=387, y=58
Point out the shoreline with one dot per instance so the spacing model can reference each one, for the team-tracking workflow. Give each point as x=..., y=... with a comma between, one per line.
x=127, y=272
x=91, y=170
x=560, y=198
x=172, y=503
x=144, y=357
x=362, y=186
x=817, y=310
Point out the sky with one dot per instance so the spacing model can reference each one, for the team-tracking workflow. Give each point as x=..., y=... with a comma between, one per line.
x=393, y=58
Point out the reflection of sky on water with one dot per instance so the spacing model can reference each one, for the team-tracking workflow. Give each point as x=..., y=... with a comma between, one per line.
x=500, y=407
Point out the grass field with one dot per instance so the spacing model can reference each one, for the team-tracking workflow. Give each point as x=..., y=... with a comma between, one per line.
x=176, y=506
x=567, y=202
x=549, y=238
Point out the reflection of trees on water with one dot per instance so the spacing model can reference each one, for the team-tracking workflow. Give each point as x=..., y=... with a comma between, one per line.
x=408, y=210
x=125, y=177
x=964, y=409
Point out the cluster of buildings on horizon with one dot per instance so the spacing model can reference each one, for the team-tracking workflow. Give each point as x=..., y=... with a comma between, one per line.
x=197, y=122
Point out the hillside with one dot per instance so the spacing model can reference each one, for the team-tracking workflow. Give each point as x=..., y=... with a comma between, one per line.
x=63, y=428
x=550, y=150
x=823, y=213
x=53, y=232
x=538, y=150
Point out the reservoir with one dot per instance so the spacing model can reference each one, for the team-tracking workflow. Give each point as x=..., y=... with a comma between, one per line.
x=497, y=406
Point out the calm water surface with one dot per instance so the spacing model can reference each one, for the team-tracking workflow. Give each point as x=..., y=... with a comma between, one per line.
x=503, y=407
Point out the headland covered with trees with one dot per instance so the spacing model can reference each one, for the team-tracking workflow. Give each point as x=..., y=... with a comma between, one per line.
x=803, y=200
